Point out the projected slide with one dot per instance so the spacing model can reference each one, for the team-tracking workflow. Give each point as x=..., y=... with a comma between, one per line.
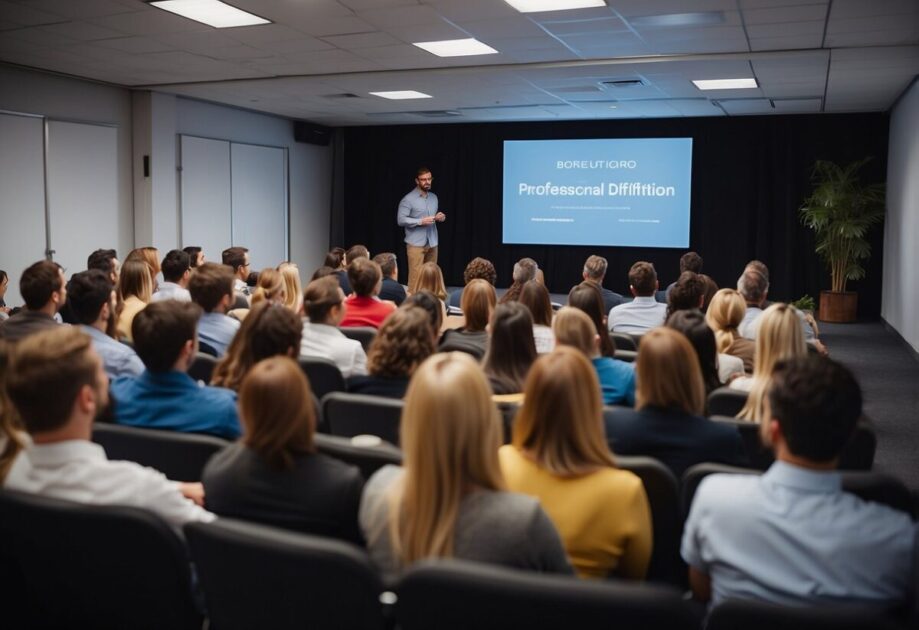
x=627, y=193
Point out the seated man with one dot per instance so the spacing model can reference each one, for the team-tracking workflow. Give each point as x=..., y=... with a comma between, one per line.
x=58, y=386
x=165, y=396
x=237, y=259
x=106, y=261
x=792, y=536
x=323, y=301
x=43, y=289
x=354, y=252
x=363, y=307
x=195, y=256
x=644, y=312
x=690, y=261
x=211, y=288
x=594, y=272
x=390, y=289
x=477, y=268
x=92, y=301
x=753, y=285
x=176, y=268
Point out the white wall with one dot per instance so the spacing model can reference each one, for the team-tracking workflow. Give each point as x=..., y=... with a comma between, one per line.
x=900, y=297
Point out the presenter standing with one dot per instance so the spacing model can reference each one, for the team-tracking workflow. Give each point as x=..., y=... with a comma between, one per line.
x=418, y=214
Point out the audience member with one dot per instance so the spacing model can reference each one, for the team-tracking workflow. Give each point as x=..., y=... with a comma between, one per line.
x=594, y=272
x=354, y=252
x=690, y=261
x=268, y=330
x=335, y=258
x=390, y=289
x=667, y=423
x=525, y=270
x=106, y=261
x=687, y=293
x=711, y=287
x=292, y=287
x=4, y=284
x=792, y=536
x=92, y=302
x=165, y=396
x=724, y=315
x=430, y=278
x=478, y=304
x=324, y=271
x=717, y=369
x=150, y=256
x=363, y=307
x=587, y=298
x=511, y=348
x=644, y=312
x=753, y=285
x=432, y=306
x=176, y=269
x=478, y=268
x=211, y=288
x=237, y=259
x=252, y=281
x=559, y=455
x=324, y=305
x=43, y=289
x=273, y=474
x=402, y=344
x=62, y=462
x=269, y=288
x=195, y=256
x=535, y=297
x=12, y=437
x=135, y=288
x=449, y=500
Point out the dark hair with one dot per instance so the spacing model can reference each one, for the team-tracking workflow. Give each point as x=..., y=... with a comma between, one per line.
x=817, y=403
x=101, y=259
x=643, y=278
x=587, y=297
x=234, y=257
x=480, y=268
x=686, y=294
x=694, y=327
x=319, y=297
x=192, y=255
x=324, y=271
x=400, y=346
x=252, y=279
x=175, y=264
x=334, y=258
x=356, y=251
x=691, y=261
x=421, y=171
x=87, y=293
x=535, y=297
x=363, y=276
x=434, y=307
x=710, y=289
x=3, y=275
x=38, y=282
x=209, y=284
x=511, y=350
x=160, y=331
x=387, y=262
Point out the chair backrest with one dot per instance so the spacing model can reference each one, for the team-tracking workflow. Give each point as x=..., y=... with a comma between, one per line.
x=447, y=595
x=369, y=458
x=207, y=348
x=626, y=355
x=725, y=401
x=202, y=368
x=92, y=566
x=364, y=334
x=240, y=302
x=179, y=456
x=508, y=413
x=324, y=376
x=348, y=415
x=623, y=341
x=255, y=576
x=663, y=492
x=752, y=615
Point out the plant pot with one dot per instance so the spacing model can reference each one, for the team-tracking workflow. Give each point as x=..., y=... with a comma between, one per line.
x=838, y=306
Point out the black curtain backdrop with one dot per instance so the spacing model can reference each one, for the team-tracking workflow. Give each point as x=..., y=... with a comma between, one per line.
x=749, y=176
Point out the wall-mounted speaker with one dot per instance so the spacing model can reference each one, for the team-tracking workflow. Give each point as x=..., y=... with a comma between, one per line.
x=312, y=133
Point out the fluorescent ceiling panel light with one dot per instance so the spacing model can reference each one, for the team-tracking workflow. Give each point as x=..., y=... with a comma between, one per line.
x=725, y=84
x=705, y=18
x=539, y=6
x=401, y=95
x=456, y=47
x=211, y=12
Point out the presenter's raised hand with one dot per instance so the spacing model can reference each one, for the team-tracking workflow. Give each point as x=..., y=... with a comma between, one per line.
x=440, y=217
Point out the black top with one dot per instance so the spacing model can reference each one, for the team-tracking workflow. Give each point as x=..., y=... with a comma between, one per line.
x=677, y=439
x=25, y=323
x=610, y=298
x=474, y=343
x=392, y=290
x=379, y=386
x=343, y=281
x=455, y=298
x=319, y=495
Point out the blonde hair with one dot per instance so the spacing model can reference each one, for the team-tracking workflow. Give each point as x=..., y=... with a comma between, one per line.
x=573, y=327
x=430, y=278
x=725, y=312
x=135, y=279
x=270, y=287
x=778, y=337
x=150, y=256
x=294, y=289
x=667, y=373
x=560, y=424
x=446, y=459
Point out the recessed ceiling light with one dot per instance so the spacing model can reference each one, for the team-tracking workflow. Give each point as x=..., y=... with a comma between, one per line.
x=725, y=84
x=401, y=95
x=211, y=12
x=456, y=47
x=538, y=6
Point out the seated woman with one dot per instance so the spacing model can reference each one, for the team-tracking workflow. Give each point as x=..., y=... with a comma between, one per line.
x=535, y=297
x=293, y=289
x=323, y=301
x=135, y=290
x=587, y=297
x=433, y=306
x=448, y=499
x=511, y=349
x=716, y=369
x=268, y=330
x=724, y=314
x=431, y=278
x=478, y=304
x=667, y=423
x=404, y=341
x=560, y=456
x=617, y=378
x=273, y=474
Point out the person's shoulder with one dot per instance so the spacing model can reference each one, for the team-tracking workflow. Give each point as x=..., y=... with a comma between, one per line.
x=217, y=395
x=725, y=492
x=381, y=480
x=339, y=473
x=124, y=383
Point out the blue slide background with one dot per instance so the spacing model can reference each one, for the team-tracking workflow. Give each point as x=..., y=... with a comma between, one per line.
x=598, y=220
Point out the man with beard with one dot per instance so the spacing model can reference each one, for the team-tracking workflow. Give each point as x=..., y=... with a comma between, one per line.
x=58, y=385
x=91, y=297
x=418, y=214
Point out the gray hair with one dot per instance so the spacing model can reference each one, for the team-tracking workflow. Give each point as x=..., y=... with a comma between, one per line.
x=752, y=285
x=595, y=268
x=525, y=270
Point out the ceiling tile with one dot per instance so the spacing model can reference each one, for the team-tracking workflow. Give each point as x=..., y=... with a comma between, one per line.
x=746, y=106
x=150, y=21
x=82, y=31
x=798, y=105
x=25, y=15
x=135, y=45
x=503, y=27
x=362, y=40
x=84, y=9
x=762, y=31
x=333, y=26
x=791, y=42
x=786, y=14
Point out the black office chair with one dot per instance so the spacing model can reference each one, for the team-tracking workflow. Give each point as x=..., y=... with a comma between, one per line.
x=240, y=302
x=255, y=576
x=207, y=348
x=751, y=615
x=725, y=401
x=508, y=413
x=624, y=341
x=456, y=595
x=364, y=334
x=179, y=456
x=82, y=566
x=347, y=415
x=202, y=368
x=323, y=375
x=369, y=458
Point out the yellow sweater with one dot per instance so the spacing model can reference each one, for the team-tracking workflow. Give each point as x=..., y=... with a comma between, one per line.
x=603, y=518
x=132, y=306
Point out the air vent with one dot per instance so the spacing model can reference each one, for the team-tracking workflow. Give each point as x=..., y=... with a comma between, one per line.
x=342, y=95
x=623, y=83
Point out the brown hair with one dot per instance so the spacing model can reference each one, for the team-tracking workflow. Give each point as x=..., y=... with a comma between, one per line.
x=38, y=282
x=277, y=411
x=234, y=258
x=150, y=256
x=572, y=327
x=511, y=348
x=643, y=278
x=334, y=258
x=587, y=297
x=691, y=261
x=431, y=278
x=161, y=330
x=363, y=276
x=356, y=251
x=685, y=294
x=320, y=297
x=209, y=284
x=270, y=287
x=478, y=303
x=480, y=268
x=387, y=263
x=535, y=297
x=595, y=268
x=402, y=343
x=135, y=279
x=10, y=426
x=560, y=424
x=667, y=373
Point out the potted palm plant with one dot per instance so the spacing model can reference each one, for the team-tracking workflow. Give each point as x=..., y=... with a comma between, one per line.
x=841, y=211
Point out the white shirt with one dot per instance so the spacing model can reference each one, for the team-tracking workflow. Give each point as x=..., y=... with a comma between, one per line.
x=638, y=316
x=750, y=324
x=544, y=339
x=171, y=291
x=79, y=471
x=322, y=340
x=728, y=364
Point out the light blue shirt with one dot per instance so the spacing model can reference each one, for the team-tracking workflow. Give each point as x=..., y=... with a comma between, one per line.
x=118, y=359
x=793, y=537
x=413, y=207
x=752, y=318
x=617, y=380
x=171, y=291
x=217, y=330
x=638, y=316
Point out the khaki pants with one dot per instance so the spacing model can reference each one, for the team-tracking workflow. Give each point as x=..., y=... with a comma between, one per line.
x=417, y=256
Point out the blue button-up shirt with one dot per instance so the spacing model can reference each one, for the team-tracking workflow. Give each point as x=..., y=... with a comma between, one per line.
x=217, y=330
x=413, y=207
x=117, y=358
x=793, y=537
